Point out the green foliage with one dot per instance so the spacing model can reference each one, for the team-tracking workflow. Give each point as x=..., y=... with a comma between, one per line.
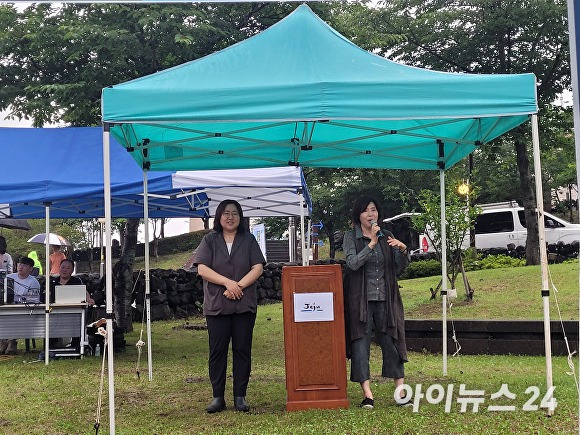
x=496, y=262
x=275, y=226
x=484, y=36
x=333, y=192
x=182, y=243
x=423, y=268
x=419, y=269
x=460, y=216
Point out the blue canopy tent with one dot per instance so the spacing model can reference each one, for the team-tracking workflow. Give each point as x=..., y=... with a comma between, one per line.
x=65, y=171
x=64, y=179
x=299, y=93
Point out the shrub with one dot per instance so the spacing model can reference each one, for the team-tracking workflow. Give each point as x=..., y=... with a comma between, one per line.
x=500, y=261
x=419, y=269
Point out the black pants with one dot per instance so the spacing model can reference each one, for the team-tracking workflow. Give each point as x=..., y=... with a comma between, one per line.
x=238, y=327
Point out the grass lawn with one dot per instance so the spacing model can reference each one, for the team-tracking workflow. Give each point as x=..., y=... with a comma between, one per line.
x=62, y=398
x=172, y=261
x=511, y=293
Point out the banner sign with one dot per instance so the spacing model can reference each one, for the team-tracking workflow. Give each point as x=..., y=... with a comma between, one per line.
x=259, y=232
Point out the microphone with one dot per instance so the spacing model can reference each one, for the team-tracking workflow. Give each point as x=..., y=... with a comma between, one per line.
x=380, y=233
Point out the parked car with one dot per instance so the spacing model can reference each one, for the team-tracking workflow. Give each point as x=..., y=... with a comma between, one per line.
x=502, y=223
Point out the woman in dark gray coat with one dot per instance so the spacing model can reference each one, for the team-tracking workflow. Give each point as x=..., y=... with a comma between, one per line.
x=230, y=262
x=373, y=260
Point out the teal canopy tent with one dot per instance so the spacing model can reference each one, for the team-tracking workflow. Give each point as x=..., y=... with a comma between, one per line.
x=299, y=93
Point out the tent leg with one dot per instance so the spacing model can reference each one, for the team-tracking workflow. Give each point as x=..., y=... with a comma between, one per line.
x=443, y=268
x=109, y=274
x=543, y=257
x=147, y=281
x=292, y=238
x=47, y=283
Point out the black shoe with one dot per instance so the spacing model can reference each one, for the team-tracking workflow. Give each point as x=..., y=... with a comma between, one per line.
x=404, y=401
x=367, y=403
x=240, y=404
x=218, y=404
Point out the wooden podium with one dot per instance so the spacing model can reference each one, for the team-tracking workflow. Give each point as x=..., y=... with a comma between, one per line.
x=314, y=337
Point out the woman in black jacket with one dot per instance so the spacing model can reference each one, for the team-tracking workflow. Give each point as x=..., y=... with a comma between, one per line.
x=373, y=260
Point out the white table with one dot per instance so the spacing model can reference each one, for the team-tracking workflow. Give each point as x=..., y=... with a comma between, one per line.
x=27, y=321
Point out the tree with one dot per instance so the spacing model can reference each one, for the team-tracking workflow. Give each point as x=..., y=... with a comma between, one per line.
x=123, y=277
x=486, y=36
x=558, y=156
x=158, y=223
x=333, y=192
x=57, y=58
x=460, y=217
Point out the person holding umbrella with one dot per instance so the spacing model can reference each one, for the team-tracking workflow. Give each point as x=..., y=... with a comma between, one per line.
x=56, y=258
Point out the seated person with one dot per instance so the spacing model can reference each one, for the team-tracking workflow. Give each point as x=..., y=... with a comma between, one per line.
x=26, y=291
x=67, y=266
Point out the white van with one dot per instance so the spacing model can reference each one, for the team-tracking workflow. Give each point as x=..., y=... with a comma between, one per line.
x=502, y=223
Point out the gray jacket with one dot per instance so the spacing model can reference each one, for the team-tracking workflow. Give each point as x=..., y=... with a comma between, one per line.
x=355, y=295
x=213, y=252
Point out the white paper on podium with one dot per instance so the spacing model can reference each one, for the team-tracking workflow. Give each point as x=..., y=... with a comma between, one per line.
x=314, y=307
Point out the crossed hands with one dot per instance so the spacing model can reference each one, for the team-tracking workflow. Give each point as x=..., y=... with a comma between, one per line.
x=233, y=290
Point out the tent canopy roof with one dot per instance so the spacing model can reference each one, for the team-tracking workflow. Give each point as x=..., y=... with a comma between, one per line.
x=66, y=170
x=301, y=93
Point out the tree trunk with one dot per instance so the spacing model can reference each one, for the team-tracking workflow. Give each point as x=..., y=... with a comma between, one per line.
x=123, y=277
x=329, y=230
x=155, y=247
x=533, y=239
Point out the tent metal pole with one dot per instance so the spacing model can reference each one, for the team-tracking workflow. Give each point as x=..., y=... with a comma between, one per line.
x=292, y=238
x=109, y=274
x=443, y=268
x=47, y=283
x=147, y=281
x=543, y=257
x=309, y=238
x=302, y=241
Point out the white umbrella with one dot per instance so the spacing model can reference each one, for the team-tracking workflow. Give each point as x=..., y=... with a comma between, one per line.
x=53, y=239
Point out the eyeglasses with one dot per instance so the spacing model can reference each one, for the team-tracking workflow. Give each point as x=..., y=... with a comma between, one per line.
x=233, y=214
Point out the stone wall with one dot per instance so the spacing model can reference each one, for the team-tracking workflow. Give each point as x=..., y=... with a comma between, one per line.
x=179, y=293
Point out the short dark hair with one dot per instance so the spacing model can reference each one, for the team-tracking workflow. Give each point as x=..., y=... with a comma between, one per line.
x=2, y=245
x=217, y=226
x=360, y=204
x=27, y=260
x=68, y=260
